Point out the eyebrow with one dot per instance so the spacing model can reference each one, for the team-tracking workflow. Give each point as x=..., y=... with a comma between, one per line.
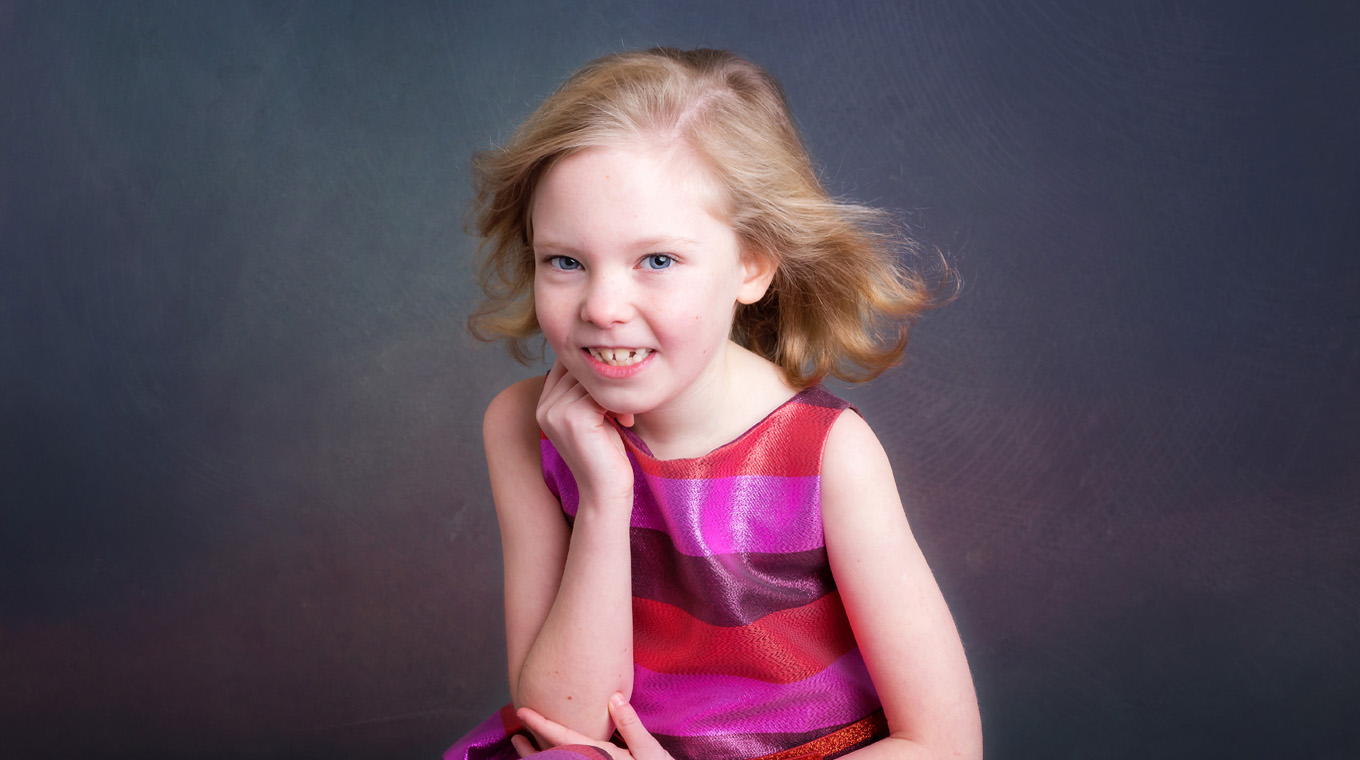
x=664, y=242
x=545, y=246
x=661, y=243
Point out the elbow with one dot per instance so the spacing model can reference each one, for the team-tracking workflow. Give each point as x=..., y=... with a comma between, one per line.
x=959, y=739
x=948, y=748
x=583, y=714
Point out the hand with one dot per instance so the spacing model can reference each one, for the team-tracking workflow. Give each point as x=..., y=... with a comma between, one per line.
x=580, y=430
x=641, y=745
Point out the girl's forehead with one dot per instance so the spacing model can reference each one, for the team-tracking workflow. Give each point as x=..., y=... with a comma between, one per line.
x=639, y=182
x=635, y=161
x=669, y=161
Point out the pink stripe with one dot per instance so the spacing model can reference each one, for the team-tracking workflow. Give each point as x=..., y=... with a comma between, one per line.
x=702, y=705
x=744, y=513
x=748, y=513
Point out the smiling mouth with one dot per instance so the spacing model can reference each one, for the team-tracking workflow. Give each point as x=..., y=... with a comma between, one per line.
x=619, y=357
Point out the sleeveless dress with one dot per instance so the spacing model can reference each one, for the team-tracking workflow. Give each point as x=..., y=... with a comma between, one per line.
x=741, y=646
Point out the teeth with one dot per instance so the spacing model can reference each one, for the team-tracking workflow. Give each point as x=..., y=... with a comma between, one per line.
x=619, y=357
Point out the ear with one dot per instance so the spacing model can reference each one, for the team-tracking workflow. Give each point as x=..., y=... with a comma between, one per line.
x=757, y=271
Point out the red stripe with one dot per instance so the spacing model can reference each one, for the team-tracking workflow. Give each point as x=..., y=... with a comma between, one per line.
x=828, y=741
x=837, y=743
x=782, y=647
x=799, y=427
x=510, y=721
x=800, y=430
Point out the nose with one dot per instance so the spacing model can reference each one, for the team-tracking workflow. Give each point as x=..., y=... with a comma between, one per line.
x=608, y=300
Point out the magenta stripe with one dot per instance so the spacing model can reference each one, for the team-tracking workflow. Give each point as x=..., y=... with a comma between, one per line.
x=690, y=705
x=485, y=742
x=746, y=513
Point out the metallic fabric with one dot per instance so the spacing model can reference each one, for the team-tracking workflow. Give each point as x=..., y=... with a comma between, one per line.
x=741, y=644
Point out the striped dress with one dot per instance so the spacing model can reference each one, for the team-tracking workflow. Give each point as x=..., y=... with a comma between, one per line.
x=741, y=646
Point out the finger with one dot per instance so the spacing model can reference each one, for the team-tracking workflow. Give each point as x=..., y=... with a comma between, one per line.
x=553, y=379
x=640, y=742
x=624, y=419
x=563, y=396
x=573, y=410
x=565, y=393
x=558, y=369
x=550, y=731
x=522, y=746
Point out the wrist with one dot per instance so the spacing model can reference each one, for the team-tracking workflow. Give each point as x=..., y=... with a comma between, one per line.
x=615, y=499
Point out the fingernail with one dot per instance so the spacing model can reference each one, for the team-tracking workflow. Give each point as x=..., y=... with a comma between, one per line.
x=617, y=700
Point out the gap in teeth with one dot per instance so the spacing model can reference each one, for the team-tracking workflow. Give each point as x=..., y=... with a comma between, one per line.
x=619, y=357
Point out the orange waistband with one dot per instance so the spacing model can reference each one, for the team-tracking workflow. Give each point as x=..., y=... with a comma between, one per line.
x=860, y=732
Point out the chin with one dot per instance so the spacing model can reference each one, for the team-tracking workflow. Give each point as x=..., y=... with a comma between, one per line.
x=620, y=401
x=623, y=405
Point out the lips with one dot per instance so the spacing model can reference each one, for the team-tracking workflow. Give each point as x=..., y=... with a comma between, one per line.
x=619, y=357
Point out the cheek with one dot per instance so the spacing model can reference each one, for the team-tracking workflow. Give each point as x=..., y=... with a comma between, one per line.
x=702, y=318
x=549, y=310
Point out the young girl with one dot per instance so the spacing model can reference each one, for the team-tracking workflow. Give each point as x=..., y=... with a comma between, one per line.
x=702, y=548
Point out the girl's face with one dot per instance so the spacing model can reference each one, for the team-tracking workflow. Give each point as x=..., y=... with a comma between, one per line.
x=635, y=279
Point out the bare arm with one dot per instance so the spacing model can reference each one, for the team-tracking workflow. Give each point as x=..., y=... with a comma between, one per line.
x=568, y=593
x=899, y=617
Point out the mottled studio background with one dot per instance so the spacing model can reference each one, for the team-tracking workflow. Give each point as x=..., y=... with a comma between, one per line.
x=243, y=509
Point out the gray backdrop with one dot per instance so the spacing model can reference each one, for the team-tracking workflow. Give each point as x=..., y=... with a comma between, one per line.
x=243, y=509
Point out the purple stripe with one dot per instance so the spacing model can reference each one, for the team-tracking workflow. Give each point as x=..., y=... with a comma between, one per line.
x=729, y=745
x=727, y=589
x=558, y=476
x=689, y=705
x=819, y=396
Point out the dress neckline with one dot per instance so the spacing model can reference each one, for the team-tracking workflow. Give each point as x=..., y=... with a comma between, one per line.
x=641, y=446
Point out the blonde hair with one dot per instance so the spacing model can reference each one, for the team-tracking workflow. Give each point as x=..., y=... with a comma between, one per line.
x=839, y=304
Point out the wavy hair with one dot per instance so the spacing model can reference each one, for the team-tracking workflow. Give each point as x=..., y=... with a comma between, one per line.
x=840, y=303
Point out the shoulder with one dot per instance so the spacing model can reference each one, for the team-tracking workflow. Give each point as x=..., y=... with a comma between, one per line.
x=855, y=468
x=850, y=436
x=509, y=425
x=513, y=408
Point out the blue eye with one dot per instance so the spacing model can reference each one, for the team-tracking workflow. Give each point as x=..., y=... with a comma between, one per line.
x=658, y=261
x=565, y=263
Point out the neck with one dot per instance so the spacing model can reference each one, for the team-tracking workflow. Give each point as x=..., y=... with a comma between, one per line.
x=739, y=391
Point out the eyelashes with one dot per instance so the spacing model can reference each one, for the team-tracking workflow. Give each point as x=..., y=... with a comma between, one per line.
x=652, y=261
x=564, y=263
